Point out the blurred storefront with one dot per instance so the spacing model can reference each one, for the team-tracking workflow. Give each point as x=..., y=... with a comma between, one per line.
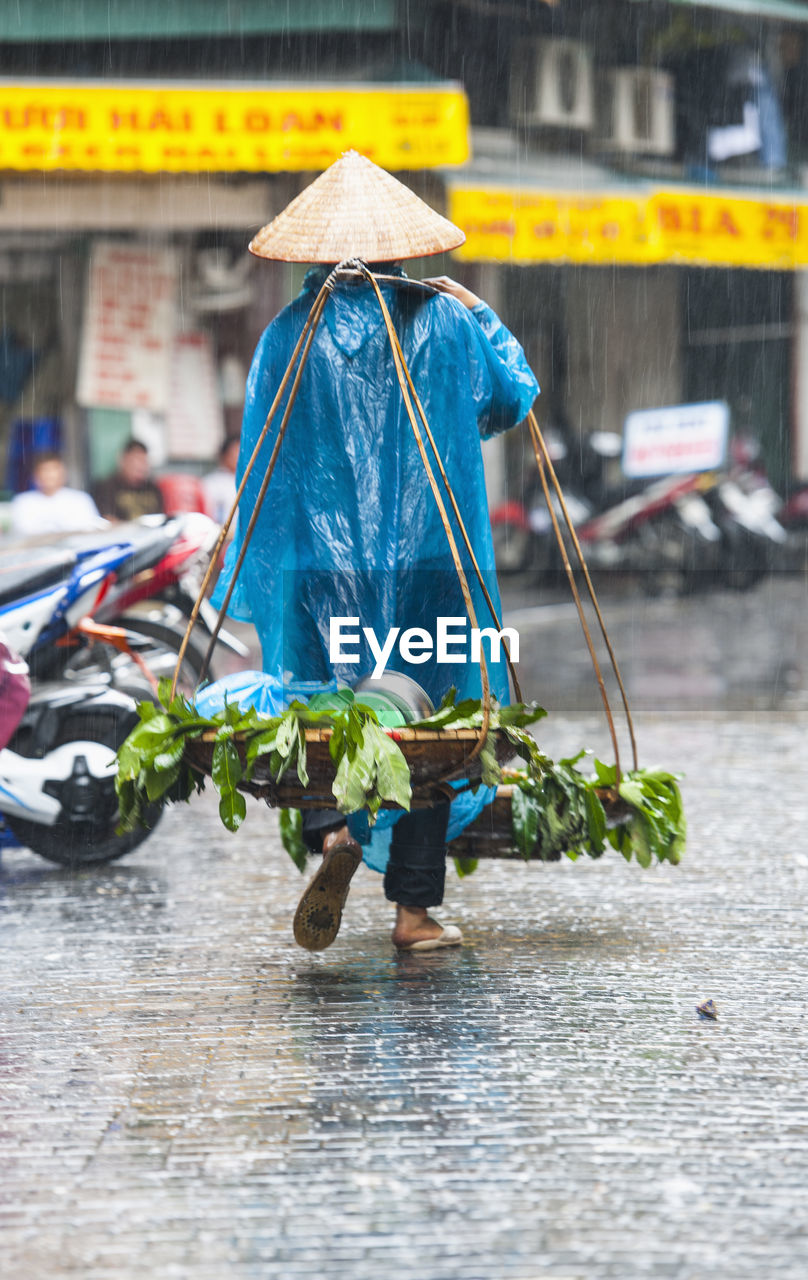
x=636, y=206
x=130, y=305
x=689, y=297
x=630, y=176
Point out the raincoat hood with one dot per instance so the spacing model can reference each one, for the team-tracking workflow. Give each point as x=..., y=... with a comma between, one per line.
x=353, y=314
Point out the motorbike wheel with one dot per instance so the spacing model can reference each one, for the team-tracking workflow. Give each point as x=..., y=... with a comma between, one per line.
x=511, y=547
x=667, y=558
x=162, y=657
x=86, y=836
x=101, y=662
x=745, y=559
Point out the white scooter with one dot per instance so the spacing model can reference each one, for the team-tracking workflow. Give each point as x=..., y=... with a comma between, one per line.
x=57, y=763
x=57, y=776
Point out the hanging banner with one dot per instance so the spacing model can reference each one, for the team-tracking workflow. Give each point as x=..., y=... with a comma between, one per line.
x=129, y=323
x=128, y=128
x=658, y=226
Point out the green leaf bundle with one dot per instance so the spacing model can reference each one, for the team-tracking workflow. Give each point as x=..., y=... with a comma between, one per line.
x=556, y=810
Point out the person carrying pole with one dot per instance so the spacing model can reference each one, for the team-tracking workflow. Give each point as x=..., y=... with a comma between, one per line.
x=348, y=528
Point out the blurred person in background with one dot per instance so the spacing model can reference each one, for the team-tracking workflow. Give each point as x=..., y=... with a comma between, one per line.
x=51, y=506
x=130, y=492
x=219, y=486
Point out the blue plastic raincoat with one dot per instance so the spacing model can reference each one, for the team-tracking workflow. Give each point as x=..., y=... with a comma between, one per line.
x=349, y=526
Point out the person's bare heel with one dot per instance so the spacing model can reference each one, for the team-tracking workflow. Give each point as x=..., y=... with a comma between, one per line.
x=415, y=930
x=449, y=936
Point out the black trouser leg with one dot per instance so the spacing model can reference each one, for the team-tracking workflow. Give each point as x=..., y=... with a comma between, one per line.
x=317, y=823
x=416, y=871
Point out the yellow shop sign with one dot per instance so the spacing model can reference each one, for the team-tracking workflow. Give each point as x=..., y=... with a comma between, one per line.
x=123, y=128
x=728, y=231
x=639, y=228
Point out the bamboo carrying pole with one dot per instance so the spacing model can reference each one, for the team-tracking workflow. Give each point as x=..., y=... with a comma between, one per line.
x=545, y=465
x=311, y=322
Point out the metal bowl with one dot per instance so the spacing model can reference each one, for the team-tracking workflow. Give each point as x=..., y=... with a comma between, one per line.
x=402, y=691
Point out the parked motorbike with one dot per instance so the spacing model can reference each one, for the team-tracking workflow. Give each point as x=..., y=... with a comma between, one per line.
x=744, y=507
x=140, y=578
x=57, y=771
x=154, y=590
x=47, y=598
x=659, y=530
x=676, y=533
x=45, y=592
x=790, y=511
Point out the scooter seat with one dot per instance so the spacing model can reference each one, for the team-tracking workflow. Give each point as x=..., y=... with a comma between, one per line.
x=27, y=572
x=148, y=555
x=149, y=542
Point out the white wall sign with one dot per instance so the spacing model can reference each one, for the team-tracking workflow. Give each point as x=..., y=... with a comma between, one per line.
x=676, y=439
x=194, y=426
x=129, y=323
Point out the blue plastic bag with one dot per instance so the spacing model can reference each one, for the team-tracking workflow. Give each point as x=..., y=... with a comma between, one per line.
x=269, y=695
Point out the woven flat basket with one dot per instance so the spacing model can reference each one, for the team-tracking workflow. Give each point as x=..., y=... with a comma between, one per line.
x=490, y=835
x=435, y=757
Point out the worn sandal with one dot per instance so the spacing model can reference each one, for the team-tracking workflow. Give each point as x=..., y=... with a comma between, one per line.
x=319, y=912
x=450, y=936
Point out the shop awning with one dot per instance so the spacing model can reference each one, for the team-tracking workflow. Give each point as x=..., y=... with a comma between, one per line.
x=128, y=127
x=55, y=20
x=632, y=224
x=785, y=10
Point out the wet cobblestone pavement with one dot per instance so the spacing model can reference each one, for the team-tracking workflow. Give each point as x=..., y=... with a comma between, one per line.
x=184, y=1093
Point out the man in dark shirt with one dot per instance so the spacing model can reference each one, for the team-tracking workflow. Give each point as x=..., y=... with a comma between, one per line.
x=130, y=491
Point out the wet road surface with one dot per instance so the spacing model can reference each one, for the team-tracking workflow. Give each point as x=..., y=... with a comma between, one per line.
x=183, y=1092
x=724, y=651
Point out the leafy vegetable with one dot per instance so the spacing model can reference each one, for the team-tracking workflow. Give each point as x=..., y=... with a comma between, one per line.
x=555, y=809
x=291, y=825
x=226, y=773
x=371, y=768
x=559, y=811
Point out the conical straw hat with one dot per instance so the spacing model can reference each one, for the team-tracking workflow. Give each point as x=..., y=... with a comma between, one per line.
x=355, y=210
